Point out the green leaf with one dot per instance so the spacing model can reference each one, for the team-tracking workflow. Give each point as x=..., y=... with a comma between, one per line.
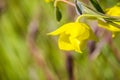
x=112, y=19
x=58, y=14
x=79, y=8
x=97, y=6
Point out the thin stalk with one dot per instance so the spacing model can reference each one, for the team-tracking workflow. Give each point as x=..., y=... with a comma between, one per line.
x=65, y=1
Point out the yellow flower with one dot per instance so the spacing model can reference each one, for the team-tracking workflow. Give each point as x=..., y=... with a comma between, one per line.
x=115, y=12
x=47, y=1
x=73, y=36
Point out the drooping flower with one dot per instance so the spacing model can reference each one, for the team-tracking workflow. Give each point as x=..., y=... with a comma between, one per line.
x=114, y=12
x=73, y=36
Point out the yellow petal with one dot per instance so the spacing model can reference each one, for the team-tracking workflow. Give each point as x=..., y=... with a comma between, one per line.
x=108, y=26
x=61, y=29
x=64, y=42
x=76, y=44
x=47, y=1
x=80, y=30
x=84, y=36
x=114, y=11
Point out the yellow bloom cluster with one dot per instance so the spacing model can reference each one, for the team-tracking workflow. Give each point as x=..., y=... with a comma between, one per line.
x=73, y=36
x=114, y=12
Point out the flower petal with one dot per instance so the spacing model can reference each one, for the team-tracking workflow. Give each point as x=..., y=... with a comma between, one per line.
x=47, y=1
x=114, y=11
x=76, y=44
x=61, y=29
x=64, y=42
x=77, y=29
x=84, y=36
x=108, y=26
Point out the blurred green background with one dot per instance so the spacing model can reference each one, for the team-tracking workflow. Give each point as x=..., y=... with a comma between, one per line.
x=17, y=61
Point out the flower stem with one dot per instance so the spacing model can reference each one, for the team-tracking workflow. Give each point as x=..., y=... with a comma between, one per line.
x=65, y=1
x=89, y=16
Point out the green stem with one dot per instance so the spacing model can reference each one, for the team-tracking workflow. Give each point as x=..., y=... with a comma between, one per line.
x=67, y=2
x=89, y=16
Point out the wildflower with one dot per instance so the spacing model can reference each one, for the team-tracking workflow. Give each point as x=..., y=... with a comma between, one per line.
x=115, y=12
x=73, y=36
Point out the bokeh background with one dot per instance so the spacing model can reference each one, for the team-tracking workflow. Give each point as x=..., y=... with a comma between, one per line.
x=28, y=53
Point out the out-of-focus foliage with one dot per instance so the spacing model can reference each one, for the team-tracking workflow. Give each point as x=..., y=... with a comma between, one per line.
x=16, y=61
